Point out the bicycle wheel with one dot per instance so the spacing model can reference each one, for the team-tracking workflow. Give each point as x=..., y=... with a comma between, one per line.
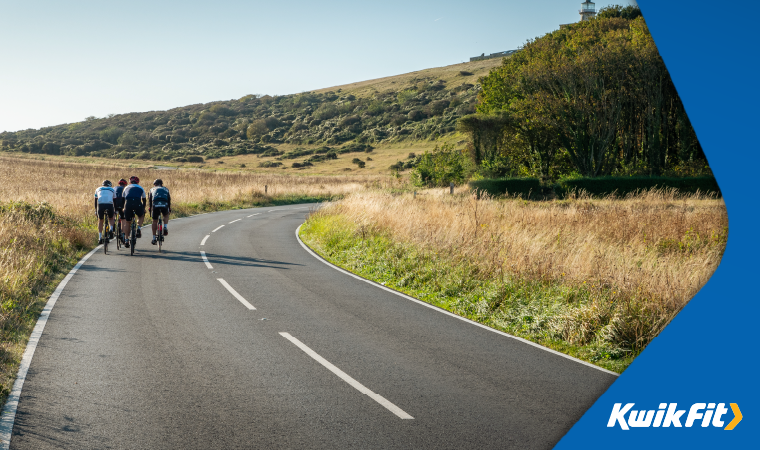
x=106, y=230
x=160, y=233
x=118, y=233
x=133, y=238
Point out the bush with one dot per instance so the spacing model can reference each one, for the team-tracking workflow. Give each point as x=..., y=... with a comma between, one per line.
x=267, y=164
x=525, y=187
x=195, y=159
x=444, y=165
x=621, y=186
x=416, y=115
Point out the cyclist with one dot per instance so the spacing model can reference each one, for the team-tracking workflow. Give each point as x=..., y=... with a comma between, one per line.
x=160, y=202
x=134, y=205
x=104, y=206
x=118, y=204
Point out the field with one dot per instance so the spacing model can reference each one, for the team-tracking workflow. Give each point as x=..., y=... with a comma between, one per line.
x=597, y=278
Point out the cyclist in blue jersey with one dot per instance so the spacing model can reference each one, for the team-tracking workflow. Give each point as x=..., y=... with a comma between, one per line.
x=118, y=204
x=160, y=202
x=134, y=205
x=104, y=206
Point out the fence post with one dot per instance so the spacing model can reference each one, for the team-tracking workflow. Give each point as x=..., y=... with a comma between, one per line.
x=415, y=194
x=451, y=188
x=265, y=188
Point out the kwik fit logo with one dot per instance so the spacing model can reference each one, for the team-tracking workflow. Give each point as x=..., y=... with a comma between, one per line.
x=668, y=415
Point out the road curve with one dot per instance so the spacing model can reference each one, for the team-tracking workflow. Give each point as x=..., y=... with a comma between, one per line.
x=254, y=343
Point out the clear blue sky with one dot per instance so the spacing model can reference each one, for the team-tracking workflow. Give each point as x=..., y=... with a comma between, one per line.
x=63, y=61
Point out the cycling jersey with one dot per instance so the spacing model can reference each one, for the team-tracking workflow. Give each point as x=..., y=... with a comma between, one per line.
x=118, y=200
x=159, y=197
x=105, y=195
x=133, y=191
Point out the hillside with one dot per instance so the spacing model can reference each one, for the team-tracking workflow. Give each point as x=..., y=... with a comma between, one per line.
x=320, y=132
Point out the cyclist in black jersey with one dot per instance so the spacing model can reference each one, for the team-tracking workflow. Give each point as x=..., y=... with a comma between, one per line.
x=134, y=205
x=159, y=202
x=118, y=204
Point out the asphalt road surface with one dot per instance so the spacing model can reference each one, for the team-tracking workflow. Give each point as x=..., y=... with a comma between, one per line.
x=261, y=345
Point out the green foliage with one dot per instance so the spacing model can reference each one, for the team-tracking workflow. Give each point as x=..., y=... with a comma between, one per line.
x=439, y=168
x=597, y=187
x=621, y=186
x=593, y=98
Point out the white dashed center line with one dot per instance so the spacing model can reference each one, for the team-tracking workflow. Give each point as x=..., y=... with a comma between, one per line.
x=203, y=242
x=254, y=214
x=344, y=376
x=236, y=295
x=205, y=260
x=216, y=229
x=236, y=220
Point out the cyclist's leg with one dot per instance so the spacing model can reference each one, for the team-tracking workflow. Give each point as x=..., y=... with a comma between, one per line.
x=111, y=213
x=154, y=215
x=165, y=213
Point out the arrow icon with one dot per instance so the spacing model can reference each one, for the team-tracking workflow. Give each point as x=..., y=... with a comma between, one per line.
x=737, y=417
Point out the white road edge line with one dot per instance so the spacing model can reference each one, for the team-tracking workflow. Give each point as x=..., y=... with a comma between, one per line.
x=345, y=377
x=443, y=311
x=9, y=411
x=203, y=242
x=216, y=229
x=205, y=260
x=238, y=220
x=236, y=295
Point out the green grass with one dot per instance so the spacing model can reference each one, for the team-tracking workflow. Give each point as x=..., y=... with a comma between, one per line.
x=534, y=310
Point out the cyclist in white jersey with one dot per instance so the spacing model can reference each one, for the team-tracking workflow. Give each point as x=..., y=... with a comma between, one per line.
x=104, y=196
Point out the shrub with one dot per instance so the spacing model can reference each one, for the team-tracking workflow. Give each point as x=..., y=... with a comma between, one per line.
x=406, y=96
x=195, y=159
x=270, y=164
x=465, y=73
x=621, y=186
x=257, y=128
x=444, y=165
x=416, y=115
x=220, y=142
x=526, y=187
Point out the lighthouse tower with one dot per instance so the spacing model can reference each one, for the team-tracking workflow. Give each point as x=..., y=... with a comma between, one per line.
x=588, y=11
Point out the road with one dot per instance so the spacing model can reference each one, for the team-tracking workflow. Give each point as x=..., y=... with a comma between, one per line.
x=261, y=345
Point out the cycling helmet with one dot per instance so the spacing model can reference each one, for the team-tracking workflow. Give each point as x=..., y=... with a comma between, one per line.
x=106, y=183
x=134, y=180
x=158, y=182
x=122, y=182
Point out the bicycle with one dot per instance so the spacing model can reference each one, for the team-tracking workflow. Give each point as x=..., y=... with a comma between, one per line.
x=106, y=232
x=160, y=231
x=133, y=237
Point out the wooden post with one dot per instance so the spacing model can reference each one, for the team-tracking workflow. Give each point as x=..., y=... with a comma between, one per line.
x=451, y=188
x=415, y=194
x=265, y=188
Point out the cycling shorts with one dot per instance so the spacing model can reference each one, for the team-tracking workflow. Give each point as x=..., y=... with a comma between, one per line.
x=163, y=210
x=105, y=209
x=133, y=208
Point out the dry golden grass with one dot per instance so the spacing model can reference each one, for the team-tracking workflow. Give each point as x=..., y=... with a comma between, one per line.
x=645, y=256
x=450, y=74
x=70, y=187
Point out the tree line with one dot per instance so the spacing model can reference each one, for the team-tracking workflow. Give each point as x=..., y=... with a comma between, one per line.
x=590, y=99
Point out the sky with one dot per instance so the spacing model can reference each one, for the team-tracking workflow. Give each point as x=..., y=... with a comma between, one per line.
x=62, y=61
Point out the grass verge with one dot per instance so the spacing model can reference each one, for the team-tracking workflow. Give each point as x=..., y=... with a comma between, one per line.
x=522, y=307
